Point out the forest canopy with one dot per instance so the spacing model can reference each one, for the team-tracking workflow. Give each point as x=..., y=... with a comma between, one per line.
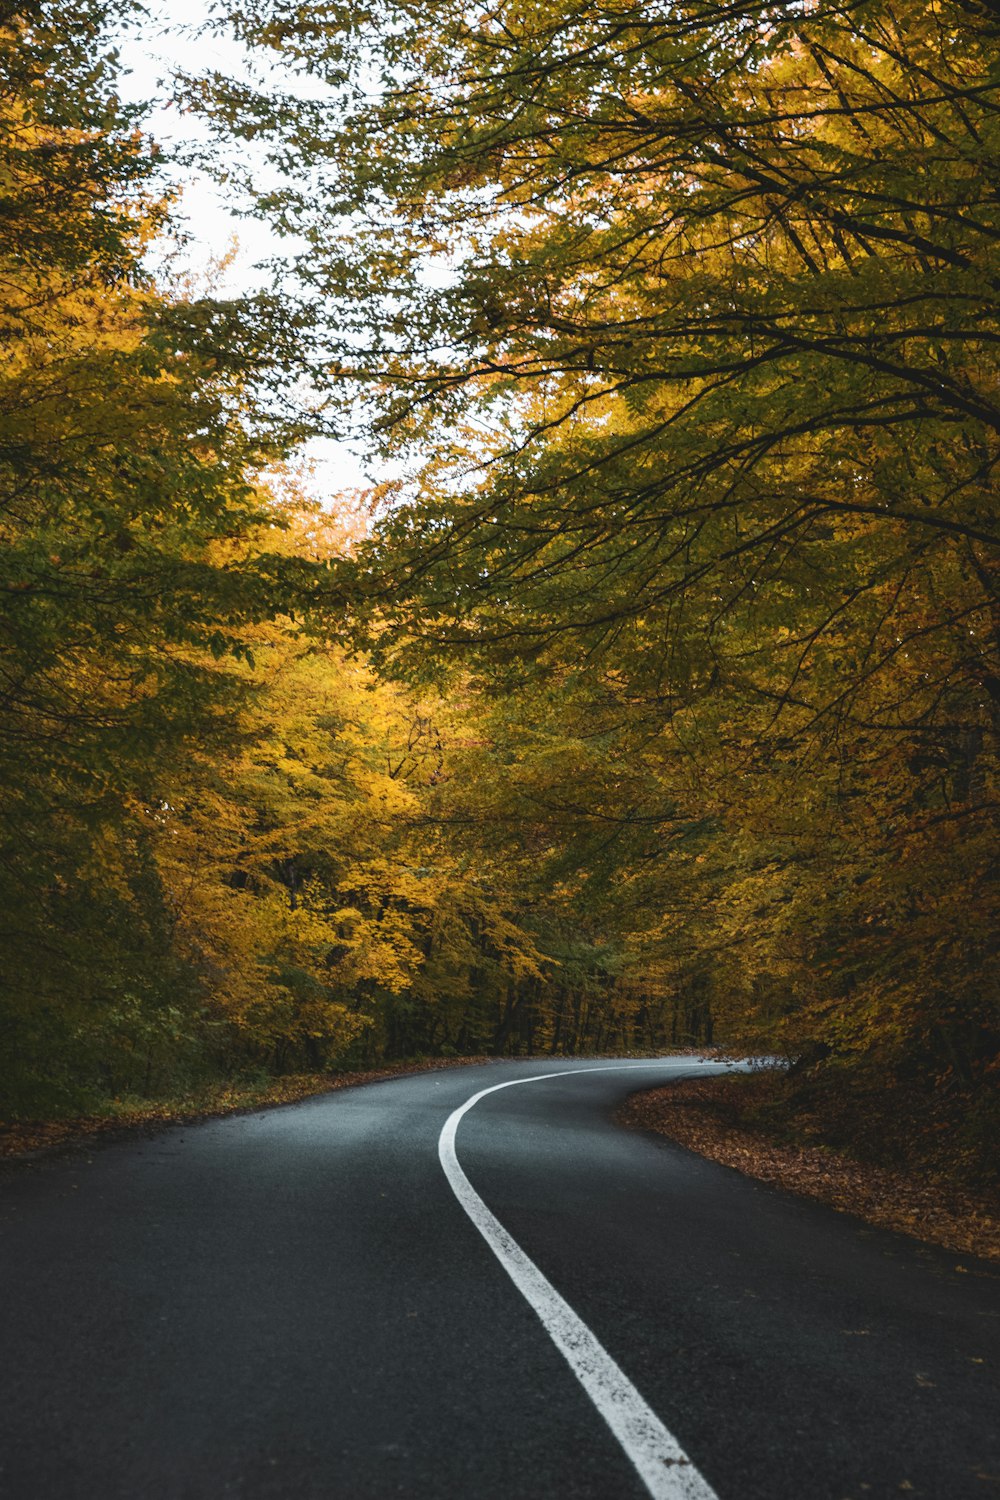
x=657, y=701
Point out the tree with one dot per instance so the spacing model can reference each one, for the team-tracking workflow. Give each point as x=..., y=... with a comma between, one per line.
x=131, y=421
x=703, y=397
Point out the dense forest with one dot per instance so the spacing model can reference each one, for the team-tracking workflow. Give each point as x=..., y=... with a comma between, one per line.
x=655, y=699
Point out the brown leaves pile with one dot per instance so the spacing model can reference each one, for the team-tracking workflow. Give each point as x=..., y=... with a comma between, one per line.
x=699, y=1114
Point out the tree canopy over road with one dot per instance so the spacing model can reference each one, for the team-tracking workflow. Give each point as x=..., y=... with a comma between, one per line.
x=658, y=700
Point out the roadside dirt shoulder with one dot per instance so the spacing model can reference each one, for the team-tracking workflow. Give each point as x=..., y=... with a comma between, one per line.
x=702, y=1114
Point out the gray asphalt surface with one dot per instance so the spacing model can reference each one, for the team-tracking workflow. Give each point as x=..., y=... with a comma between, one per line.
x=292, y=1304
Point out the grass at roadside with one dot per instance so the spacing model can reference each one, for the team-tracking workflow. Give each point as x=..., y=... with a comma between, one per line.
x=905, y=1163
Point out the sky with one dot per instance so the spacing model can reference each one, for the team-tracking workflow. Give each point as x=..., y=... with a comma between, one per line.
x=171, y=41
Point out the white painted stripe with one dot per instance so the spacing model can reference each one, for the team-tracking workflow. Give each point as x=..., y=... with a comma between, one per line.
x=662, y=1464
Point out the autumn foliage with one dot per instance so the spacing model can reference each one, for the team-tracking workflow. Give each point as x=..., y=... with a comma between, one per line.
x=658, y=701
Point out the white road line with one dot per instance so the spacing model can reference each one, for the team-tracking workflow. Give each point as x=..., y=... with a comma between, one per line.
x=662, y=1464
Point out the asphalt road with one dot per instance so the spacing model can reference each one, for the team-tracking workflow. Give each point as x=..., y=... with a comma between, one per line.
x=295, y=1304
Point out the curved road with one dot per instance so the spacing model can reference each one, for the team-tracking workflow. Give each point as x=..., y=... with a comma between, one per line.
x=300, y=1305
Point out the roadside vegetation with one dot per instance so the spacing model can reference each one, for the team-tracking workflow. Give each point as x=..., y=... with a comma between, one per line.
x=912, y=1164
x=655, y=702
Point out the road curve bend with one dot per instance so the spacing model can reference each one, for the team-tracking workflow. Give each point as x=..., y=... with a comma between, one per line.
x=318, y=1303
